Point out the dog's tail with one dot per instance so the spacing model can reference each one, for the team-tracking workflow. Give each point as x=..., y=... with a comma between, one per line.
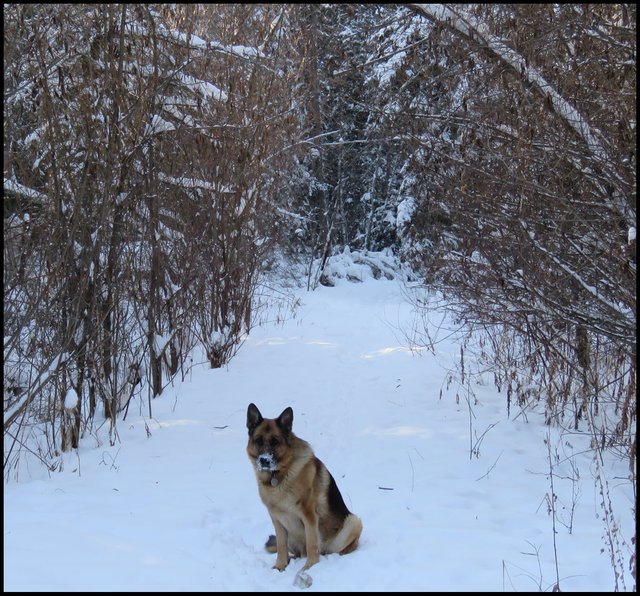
x=346, y=540
x=270, y=544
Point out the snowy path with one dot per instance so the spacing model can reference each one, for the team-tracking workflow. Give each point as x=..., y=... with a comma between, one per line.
x=179, y=510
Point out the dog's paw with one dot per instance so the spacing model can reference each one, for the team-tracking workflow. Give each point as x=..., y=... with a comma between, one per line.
x=303, y=580
x=280, y=565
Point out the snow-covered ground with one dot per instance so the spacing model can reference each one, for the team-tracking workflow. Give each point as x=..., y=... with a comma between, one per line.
x=173, y=505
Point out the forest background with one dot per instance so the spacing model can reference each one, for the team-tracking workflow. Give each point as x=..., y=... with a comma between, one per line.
x=160, y=159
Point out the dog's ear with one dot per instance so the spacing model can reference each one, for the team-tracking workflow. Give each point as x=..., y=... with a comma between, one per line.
x=285, y=420
x=253, y=418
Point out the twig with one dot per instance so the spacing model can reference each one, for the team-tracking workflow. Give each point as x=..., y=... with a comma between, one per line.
x=552, y=506
x=491, y=468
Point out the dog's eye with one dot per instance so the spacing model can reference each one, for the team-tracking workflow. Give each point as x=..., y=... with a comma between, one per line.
x=274, y=442
x=259, y=441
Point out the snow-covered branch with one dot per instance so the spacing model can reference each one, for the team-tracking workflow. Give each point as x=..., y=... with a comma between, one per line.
x=11, y=185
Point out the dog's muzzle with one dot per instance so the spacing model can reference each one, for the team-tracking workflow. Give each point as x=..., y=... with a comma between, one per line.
x=265, y=462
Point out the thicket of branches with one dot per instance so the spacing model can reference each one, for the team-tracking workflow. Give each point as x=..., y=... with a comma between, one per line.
x=144, y=153
x=526, y=219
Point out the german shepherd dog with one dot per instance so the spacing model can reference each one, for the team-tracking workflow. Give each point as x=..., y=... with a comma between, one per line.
x=303, y=500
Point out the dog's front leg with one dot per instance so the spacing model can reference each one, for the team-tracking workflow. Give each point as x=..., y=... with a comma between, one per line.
x=282, y=536
x=312, y=538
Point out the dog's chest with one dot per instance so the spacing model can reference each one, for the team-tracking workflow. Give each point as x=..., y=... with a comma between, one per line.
x=279, y=498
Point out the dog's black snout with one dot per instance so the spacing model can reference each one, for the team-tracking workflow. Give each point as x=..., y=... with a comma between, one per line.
x=264, y=461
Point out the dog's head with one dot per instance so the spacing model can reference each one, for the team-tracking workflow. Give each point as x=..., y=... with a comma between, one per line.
x=269, y=446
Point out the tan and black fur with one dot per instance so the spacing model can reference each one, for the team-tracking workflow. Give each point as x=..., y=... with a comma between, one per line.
x=307, y=510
